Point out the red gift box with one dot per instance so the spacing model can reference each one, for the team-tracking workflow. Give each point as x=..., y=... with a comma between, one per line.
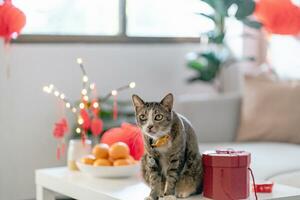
x=226, y=175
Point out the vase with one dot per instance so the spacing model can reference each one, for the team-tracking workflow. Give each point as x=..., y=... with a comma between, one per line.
x=76, y=150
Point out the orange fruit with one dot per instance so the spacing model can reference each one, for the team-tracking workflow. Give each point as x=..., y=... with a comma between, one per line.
x=122, y=162
x=88, y=160
x=132, y=160
x=102, y=162
x=111, y=159
x=118, y=150
x=101, y=151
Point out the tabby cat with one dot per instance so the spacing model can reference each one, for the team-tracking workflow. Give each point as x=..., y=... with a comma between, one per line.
x=173, y=168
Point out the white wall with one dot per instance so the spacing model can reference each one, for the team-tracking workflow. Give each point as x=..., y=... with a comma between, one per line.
x=27, y=114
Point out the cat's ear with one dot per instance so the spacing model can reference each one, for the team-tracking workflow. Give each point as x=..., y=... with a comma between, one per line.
x=167, y=101
x=137, y=101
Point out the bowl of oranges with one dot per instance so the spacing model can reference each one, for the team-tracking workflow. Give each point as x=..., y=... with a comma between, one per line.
x=112, y=161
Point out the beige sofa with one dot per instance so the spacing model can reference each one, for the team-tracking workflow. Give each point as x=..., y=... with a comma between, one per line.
x=216, y=120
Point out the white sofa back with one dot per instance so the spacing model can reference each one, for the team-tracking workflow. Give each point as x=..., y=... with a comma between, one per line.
x=215, y=118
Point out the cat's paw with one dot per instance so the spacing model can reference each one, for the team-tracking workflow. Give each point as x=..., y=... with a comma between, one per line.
x=183, y=194
x=169, y=197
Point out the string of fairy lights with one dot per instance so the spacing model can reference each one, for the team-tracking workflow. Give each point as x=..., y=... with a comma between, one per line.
x=86, y=91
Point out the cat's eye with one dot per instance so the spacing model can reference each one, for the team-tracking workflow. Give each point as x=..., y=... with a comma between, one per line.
x=143, y=117
x=158, y=117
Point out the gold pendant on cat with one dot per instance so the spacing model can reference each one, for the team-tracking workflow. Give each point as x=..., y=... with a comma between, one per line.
x=161, y=141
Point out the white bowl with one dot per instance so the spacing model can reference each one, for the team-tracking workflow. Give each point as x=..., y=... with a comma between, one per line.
x=109, y=171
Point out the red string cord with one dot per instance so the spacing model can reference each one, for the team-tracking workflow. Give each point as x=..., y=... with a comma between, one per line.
x=253, y=179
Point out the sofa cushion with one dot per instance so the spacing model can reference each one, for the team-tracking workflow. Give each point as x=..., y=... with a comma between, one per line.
x=270, y=111
x=268, y=159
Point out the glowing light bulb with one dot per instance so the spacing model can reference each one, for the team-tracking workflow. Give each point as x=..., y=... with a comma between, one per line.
x=62, y=96
x=81, y=105
x=74, y=110
x=83, y=91
x=132, y=85
x=85, y=78
x=50, y=88
x=114, y=92
x=96, y=105
x=80, y=121
x=46, y=89
x=78, y=130
x=68, y=105
x=56, y=93
x=79, y=61
x=92, y=86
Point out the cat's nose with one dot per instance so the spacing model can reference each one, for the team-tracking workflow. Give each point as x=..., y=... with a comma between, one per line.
x=150, y=127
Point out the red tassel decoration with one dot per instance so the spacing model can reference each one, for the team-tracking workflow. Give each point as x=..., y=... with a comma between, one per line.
x=83, y=137
x=59, y=131
x=115, y=108
x=63, y=147
x=58, y=153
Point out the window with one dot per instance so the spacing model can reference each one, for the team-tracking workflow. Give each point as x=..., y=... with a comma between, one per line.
x=168, y=18
x=283, y=56
x=114, y=18
x=71, y=17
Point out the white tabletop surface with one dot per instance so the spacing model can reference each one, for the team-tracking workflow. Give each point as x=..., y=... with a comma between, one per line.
x=84, y=187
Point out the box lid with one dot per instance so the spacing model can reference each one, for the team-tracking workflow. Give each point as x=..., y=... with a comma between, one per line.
x=226, y=158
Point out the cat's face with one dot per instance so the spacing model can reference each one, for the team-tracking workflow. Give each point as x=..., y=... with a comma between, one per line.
x=154, y=118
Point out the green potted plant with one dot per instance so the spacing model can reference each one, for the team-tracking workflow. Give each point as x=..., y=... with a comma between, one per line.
x=207, y=63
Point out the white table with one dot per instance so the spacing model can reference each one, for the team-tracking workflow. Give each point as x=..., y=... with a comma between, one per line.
x=54, y=181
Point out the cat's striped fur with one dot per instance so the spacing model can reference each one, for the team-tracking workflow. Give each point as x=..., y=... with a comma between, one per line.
x=175, y=169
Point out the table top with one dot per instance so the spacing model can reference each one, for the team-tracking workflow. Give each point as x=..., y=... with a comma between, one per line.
x=81, y=186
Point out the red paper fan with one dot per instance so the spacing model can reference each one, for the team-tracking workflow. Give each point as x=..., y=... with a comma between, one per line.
x=129, y=134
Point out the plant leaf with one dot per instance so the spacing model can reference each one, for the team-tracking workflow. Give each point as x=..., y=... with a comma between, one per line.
x=252, y=23
x=194, y=64
x=211, y=17
x=245, y=8
x=218, y=6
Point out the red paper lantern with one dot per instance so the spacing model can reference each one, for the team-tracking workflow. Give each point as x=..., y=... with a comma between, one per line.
x=12, y=20
x=278, y=16
x=129, y=134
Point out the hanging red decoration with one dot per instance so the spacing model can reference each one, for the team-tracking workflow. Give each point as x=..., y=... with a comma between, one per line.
x=86, y=119
x=96, y=126
x=129, y=134
x=60, y=129
x=115, y=108
x=278, y=16
x=95, y=107
x=87, y=111
x=12, y=20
